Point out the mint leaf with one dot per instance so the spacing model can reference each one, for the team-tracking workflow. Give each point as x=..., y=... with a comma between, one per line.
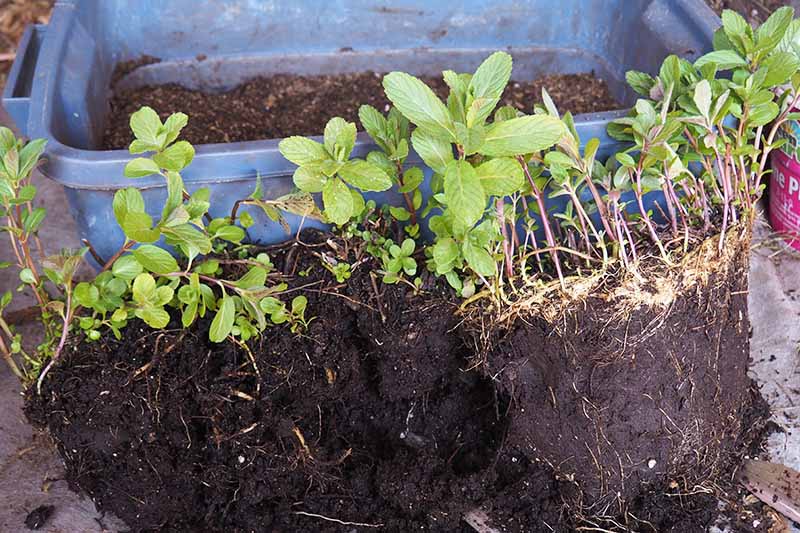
x=340, y=138
x=464, y=193
x=223, y=321
x=126, y=267
x=374, y=124
x=309, y=179
x=302, y=151
x=445, y=254
x=491, y=77
x=417, y=102
x=141, y=167
x=722, y=59
x=487, y=85
x=338, y=201
x=522, y=135
x=155, y=259
x=478, y=259
x=365, y=176
x=771, y=32
x=173, y=126
x=176, y=157
x=501, y=177
x=437, y=153
x=146, y=125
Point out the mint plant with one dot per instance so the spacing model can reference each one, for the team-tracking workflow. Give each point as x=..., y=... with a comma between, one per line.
x=474, y=160
x=392, y=135
x=49, y=278
x=328, y=168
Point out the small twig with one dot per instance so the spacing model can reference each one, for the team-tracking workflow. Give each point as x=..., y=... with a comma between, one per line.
x=377, y=296
x=93, y=252
x=336, y=520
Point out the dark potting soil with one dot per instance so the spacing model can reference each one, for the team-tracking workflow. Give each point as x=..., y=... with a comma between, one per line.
x=282, y=105
x=376, y=418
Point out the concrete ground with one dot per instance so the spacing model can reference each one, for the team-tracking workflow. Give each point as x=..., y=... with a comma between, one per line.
x=32, y=475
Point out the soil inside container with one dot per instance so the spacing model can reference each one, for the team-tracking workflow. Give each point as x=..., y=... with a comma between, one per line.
x=377, y=418
x=282, y=105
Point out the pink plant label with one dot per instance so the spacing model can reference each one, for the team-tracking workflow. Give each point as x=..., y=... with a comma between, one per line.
x=784, y=187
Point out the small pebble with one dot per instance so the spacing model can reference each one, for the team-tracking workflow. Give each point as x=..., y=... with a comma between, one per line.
x=651, y=464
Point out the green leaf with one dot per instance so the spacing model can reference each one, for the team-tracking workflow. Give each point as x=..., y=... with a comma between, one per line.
x=34, y=219
x=523, y=135
x=338, y=201
x=29, y=156
x=445, y=254
x=146, y=125
x=417, y=102
x=399, y=213
x=309, y=179
x=737, y=30
x=144, y=289
x=174, y=194
x=126, y=267
x=470, y=138
x=478, y=259
x=464, y=193
x=154, y=317
x=175, y=157
x=7, y=139
x=223, y=321
x=762, y=115
x=375, y=125
x=173, y=126
x=487, y=85
x=255, y=277
x=299, y=304
x=340, y=138
x=365, y=176
x=491, y=77
x=780, y=67
x=434, y=151
x=11, y=164
x=412, y=179
x=640, y=82
x=230, y=233
x=702, y=97
x=246, y=219
x=139, y=227
x=155, y=259
x=86, y=294
x=501, y=177
x=141, y=167
x=722, y=59
x=26, y=276
x=191, y=241
x=302, y=151
x=128, y=208
x=770, y=33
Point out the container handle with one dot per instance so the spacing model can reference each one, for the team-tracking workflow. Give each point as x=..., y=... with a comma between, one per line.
x=17, y=92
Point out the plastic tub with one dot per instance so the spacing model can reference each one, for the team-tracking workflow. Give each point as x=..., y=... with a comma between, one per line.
x=59, y=86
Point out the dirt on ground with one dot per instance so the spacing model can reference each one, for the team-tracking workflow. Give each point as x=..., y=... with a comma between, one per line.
x=378, y=416
x=15, y=15
x=282, y=105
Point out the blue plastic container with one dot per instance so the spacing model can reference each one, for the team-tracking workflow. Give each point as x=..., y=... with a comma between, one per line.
x=59, y=85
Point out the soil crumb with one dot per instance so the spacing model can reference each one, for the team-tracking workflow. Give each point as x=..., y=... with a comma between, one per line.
x=282, y=105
